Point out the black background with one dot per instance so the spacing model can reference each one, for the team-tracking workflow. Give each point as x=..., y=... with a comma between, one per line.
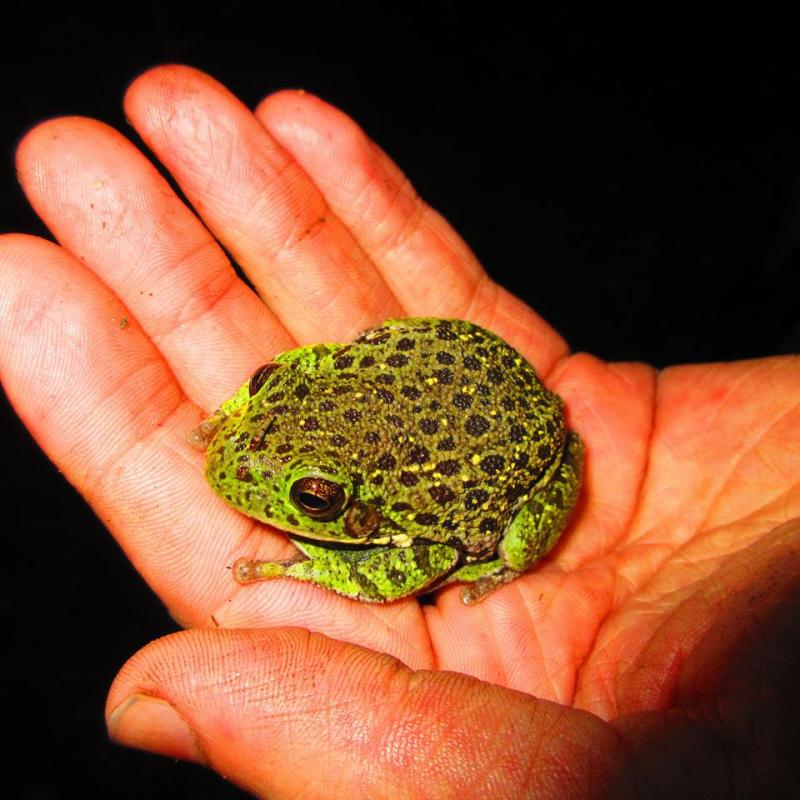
x=636, y=180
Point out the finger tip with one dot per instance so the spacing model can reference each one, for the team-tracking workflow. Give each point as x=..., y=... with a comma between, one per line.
x=286, y=98
x=296, y=109
x=322, y=137
x=34, y=140
x=57, y=128
x=171, y=106
x=164, y=73
x=45, y=150
x=146, y=85
x=165, y=81
x=149, y=723
x=16, y=248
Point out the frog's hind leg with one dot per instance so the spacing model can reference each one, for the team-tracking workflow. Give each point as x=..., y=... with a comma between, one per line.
x=371, y=574
x=532, y=532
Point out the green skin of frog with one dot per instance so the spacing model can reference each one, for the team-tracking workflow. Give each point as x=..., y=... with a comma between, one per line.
x=423, y=453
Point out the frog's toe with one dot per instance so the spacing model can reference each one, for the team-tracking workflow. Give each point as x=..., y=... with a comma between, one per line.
x=477, y=590
x=248, y=570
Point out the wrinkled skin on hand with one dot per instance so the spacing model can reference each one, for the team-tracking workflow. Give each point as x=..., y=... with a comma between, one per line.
x=653, y=653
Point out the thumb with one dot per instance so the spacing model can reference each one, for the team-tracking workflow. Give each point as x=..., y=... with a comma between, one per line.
x=286, y=713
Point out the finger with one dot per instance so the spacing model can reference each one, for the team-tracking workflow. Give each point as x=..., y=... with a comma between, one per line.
x=394, y=628
x=104, y=406
x=259, y=204
x=287, y=714
x=107, y=205
x=102, y=403
x=430, y=269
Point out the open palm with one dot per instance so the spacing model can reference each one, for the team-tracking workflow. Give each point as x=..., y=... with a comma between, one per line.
x=667, y=602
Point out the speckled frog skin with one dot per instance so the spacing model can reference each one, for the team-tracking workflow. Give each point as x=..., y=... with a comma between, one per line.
x=425, y=452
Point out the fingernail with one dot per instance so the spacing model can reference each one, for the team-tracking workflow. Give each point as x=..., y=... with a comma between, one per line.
x=148, y=723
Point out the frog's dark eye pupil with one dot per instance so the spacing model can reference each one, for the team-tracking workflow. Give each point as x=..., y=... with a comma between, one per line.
x=317, y=498
x=260, y=376
x=311, y=501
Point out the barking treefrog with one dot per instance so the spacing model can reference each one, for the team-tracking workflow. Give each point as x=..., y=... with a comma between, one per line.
x=425, y=452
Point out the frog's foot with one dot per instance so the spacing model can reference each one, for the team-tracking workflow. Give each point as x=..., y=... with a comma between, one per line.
x=200, y=436
x=247, y=570
x=483, y=578
x=371, y=574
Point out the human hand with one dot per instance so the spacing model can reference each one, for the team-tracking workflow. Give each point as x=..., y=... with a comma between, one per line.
x=655, y=642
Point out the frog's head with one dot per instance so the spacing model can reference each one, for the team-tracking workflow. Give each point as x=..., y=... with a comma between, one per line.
x=316, y=499
x=284, y=453
x=296, y=485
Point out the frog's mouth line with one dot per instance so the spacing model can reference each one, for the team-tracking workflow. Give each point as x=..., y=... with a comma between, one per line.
x=339, y=544
x=337, y=540
x=387, y=540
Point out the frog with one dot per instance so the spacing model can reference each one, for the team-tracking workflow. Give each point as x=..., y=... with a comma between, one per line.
x=423, y=453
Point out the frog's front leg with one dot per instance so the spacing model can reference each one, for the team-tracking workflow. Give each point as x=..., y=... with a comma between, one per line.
x=372, y=574
x=532, y=532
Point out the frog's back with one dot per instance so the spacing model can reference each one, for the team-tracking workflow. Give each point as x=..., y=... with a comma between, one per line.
x=450, y=429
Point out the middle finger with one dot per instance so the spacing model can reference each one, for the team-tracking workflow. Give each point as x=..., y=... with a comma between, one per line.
x=261, y=205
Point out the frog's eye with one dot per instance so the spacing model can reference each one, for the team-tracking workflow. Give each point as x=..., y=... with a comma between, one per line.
x=317, y=498
x=259, y=377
